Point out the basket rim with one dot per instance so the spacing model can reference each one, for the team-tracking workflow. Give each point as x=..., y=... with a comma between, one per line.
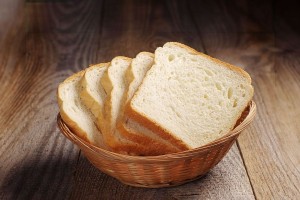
x=166, y=157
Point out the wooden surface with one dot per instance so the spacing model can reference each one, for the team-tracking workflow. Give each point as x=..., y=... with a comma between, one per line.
x=43, y=42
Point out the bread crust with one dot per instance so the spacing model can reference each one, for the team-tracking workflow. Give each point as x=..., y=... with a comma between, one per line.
x=87, y=98
x=148, y=53
x=93, y=66
x=108, y=87
x=71, y=124
x=156, y=128
x=109, y=136
x=132, y=149
x=139, y=138
x=229, y=66
x=134, y=135
x=138, y=142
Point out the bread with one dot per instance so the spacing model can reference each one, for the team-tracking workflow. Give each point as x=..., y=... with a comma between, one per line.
x=93, y=96
x=92, y=93
x=139, y=134
x=137, y=71
x=115, y=86
x=78, y=118
x=130, y=129
x=176, y=99
x=190, y=98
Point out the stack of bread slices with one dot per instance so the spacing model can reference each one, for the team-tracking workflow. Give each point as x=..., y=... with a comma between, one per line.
x=173, y=100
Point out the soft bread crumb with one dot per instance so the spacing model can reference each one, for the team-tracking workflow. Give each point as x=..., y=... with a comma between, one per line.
x=92, y=93
x=78, y=118
x=190, y=96
x=133, y=130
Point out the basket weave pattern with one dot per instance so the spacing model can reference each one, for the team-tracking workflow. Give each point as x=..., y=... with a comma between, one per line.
x=165, y=170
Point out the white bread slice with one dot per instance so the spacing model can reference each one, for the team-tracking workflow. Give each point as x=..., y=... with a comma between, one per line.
x=78, y=118
x=190, y=98
x=137, y=71
x=127, y=127
x=115, y=85
x=92, y=93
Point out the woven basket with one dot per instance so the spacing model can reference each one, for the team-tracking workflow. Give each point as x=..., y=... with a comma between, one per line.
x=165, y=170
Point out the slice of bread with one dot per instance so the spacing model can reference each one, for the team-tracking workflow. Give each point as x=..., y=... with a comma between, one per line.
x=78, y=118
x=190, y=98
x=114, y=84
x=137, y=71
x=92, y=93
x=127, y=127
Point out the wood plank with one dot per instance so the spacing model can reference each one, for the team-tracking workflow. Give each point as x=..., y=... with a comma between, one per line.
x=61, y=38
x=275, y=134
x=270, y=146
x=37, y=161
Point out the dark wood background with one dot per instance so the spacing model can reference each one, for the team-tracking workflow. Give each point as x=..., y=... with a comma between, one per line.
x=44, y=41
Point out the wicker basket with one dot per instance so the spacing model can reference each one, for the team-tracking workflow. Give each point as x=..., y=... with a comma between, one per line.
x=165, y=170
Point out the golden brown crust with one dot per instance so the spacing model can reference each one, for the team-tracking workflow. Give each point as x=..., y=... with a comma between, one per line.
x=146, y=141
x=107, y=115
x=123, y=57
x=156, y=128
x=97, y=66
x=159, y=148
x=152, y=125
x=74, y=76
x=139, y=146
x=87, y=99
x=148, y=53
x=134, y=148
x=71, y=124
x=105, y=82
x=229, y=66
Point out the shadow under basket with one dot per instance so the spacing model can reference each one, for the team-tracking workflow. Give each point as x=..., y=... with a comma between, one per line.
x=164, y=170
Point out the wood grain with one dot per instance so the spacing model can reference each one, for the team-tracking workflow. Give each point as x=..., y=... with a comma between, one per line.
x=276, y=132
x=37, y=162
x=270, y=147
x=220, y=183
x=43, y=42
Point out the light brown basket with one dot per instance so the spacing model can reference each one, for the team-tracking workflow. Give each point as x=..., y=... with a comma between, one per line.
x=165, y=170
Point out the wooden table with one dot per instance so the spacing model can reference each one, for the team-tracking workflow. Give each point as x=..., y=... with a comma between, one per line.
x=44, y=41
